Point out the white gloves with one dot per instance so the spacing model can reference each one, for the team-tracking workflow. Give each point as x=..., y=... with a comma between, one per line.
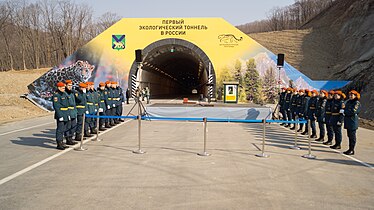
x=114, y=105
x=101, y=109
x=61, y=119
x=69, y=118
x=95, y=110
x=87, y=112
x=108, y=106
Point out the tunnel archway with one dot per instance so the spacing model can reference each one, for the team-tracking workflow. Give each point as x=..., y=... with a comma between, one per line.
x=173, y=68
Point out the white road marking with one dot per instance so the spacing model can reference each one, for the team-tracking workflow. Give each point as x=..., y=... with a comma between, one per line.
x=25, y=170
x=22, y=129
x=348, y=156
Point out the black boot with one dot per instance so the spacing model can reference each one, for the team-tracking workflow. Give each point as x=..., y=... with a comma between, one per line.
x=64, y=145
x=60, y=146
x=94, y=131
x=299, y=130
x=87, y=135
x=69, y=141
x=328, y=142
x=321, y=138
x=78, y=137
x=122, y=120
x=304, y=133
x=293, y=128
x=349, y=152
x=107, y=125
x=313, y=136
x=102, y=128
x=335, y=146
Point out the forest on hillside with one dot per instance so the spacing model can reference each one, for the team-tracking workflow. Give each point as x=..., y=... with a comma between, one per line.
x=43, y=33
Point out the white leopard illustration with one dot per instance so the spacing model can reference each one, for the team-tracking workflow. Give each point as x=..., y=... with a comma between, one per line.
x=229, y=38
x=42, y=89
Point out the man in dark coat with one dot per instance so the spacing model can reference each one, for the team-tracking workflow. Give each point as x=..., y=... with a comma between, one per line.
x=102, y=96
x=281, y=104
x=312, y=108
x=293, y=108
x=351, y=111
x=287, y=106
x=305, y=110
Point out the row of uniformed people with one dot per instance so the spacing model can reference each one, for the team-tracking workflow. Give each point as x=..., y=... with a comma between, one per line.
x=327, y=108
x=70, y=106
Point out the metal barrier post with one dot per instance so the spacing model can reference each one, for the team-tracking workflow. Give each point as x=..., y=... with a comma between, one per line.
x=296, y=126
x=81, y=148
x=263, y=140
x=309, y=155
x=139, y=151
x=204, y=153
x=97, y=127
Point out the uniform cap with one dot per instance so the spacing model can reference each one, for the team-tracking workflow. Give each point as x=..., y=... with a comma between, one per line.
x=60, y=84
x=315, y=91
x=307, y=90
x=331, y=92
x=358, y=95
x=107, y=82
x=89, y=83
x=301, y=91
x=338, y=92
x=325, y=92
x=114, y=82
x=283, y=88
x=68, y=81
x=83, y=85
x=289, y=89
x=344, y=96
x=102, y=84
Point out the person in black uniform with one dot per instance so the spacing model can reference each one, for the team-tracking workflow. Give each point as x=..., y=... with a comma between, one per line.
x=127, y=95
x=110, y=108
x=351, y=111
x=294, y=112
x=337, y=118
x=90, y=109
x=305, y=111
x=60, y=105
x=81, y=104
x=299, y=104
x=287, y=106
x=328, y=108
x=320, y=113
x=282, y=96
x=72, y=113
x=312, y=108
x=115, y=100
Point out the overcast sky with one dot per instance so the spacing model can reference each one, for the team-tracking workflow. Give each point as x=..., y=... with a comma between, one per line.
x=234, y=11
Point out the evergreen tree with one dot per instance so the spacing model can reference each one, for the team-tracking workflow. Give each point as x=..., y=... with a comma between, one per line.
x=238, y=72
x=224, y=76
x=270, y=86
x=253, y=83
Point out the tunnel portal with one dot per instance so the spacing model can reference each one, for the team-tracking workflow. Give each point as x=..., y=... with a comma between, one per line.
x=174, y=68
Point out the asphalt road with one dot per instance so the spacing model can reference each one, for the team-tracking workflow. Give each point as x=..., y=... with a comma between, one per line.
x=171, y=176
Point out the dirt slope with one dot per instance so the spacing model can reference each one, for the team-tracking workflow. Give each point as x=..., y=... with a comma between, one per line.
x=338, y=44
x=12, y=85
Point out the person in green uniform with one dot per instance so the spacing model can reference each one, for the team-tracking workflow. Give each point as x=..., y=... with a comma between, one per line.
x=60, y=105
x=90, y=108
x=337, y=118
x=351, y=111
x=81, y=104
x=103, y=95
x=328, y=108
x=72, y=113
x=320, y=114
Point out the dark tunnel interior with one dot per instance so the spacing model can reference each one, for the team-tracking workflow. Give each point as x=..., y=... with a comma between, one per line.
x=174, y=71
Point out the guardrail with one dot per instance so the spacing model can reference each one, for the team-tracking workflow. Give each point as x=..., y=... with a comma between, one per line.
x=205, y=121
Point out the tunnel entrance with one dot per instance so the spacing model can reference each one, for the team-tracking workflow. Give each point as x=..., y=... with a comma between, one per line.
x=174, y=68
